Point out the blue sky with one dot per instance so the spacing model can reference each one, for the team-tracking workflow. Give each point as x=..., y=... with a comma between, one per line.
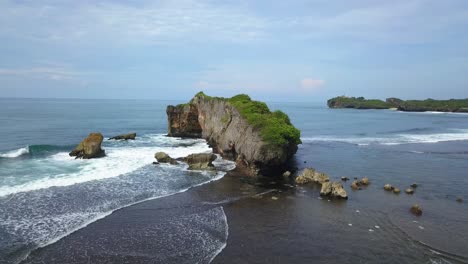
x=293, y=50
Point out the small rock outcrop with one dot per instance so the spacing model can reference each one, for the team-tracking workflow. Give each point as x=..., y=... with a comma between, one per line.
x=416, y=210
x=355, y=185
x=130, y=136
x=388, y=187
x=396, y=191
x=333, y=189
x=163, y=157
x=311, y=175
x=365, y=181
x=239, y=129
x=89, y=148
x=409, y=191
x=201, y=161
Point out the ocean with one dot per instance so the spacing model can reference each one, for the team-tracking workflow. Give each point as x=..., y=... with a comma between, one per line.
x=48, y=199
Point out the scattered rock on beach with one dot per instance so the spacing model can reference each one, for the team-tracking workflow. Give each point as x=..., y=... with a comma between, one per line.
x=355, y=185
x=365, y=181
x=388, y=187
x=409, y=191
x=200, y=161
x=311, y=175
x=416, y=209
x=163, y=157
x=129, y=136
x=287, y=174
x=89, y=148
x=333, y=189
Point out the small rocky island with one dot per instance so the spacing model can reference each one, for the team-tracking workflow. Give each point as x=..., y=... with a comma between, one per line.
x=452, y=105
x=239, y=129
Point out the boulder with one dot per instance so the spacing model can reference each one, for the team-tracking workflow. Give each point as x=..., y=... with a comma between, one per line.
x=130, y=136
x=416, y=209
x=311, y=175
x=388, y=187
x=163, y=157
x=89, y=148
x=396, y=190
x=287, y=174
x=365, y=181
x=333, y=189
x=201, y=161
x=355, y=185
x=409, y=191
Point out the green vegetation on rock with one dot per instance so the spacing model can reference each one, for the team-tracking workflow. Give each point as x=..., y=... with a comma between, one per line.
x=452, y=105
x=275, y=127
x=357, y=103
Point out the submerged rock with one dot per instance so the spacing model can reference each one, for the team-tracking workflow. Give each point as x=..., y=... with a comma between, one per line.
x=409, y=191
x=201, y=161
x=163, y=157
x=414, y=185
x=333, y=189
x=89, y=148
x=311, y=175
x=130, y=136
x=416, y=209
x=388, y=187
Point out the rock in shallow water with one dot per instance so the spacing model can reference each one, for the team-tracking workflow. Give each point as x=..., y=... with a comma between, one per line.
x=89, y=148
x=365, y=181
x=396, y=191
x=333, y=189
x=311, y=175
x=388, y=187
x=130, y=136
x=201, y=161
x=163, y=157
x=416, y=210
x=409, y=191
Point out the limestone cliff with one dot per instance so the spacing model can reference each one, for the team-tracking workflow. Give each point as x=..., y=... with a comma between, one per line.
x=239, y=129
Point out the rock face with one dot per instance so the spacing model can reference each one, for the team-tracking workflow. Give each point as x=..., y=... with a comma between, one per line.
x=230, y=133
x=163, y=157
x=333, y=189
x=311, y=175
x=89, y=148
x=130, y=136
x=202, y=161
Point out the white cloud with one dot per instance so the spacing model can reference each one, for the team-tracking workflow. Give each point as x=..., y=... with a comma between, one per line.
x=310, y=84
x=56, y=74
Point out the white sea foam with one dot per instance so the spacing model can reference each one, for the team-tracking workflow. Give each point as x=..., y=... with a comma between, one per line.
x=396, y=139
x=15, y=153
x=118, y=161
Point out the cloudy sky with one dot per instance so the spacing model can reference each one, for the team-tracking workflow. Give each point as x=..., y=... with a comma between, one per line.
x=296, y=50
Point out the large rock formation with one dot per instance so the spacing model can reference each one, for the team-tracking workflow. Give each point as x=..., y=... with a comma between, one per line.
x=239, y=129
x=89, y=148
x=163, y=157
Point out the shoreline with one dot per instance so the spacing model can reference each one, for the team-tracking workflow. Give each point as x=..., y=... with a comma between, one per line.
x=267, y=220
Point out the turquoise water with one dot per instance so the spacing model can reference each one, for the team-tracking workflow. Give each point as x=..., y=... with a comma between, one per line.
x=45, y=194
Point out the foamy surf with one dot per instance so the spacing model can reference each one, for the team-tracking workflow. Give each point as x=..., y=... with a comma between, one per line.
x=119, y=160
x=395, y=139
x=15, y=153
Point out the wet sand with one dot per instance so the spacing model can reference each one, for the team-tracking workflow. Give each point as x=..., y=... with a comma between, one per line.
x=263, y=220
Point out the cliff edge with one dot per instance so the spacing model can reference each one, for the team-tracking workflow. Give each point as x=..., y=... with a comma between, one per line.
x=239, y=129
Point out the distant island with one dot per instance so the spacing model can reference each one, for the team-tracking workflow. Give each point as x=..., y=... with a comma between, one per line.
x=452, y=105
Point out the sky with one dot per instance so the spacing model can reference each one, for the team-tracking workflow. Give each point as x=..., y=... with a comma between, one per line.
x=295, y=50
